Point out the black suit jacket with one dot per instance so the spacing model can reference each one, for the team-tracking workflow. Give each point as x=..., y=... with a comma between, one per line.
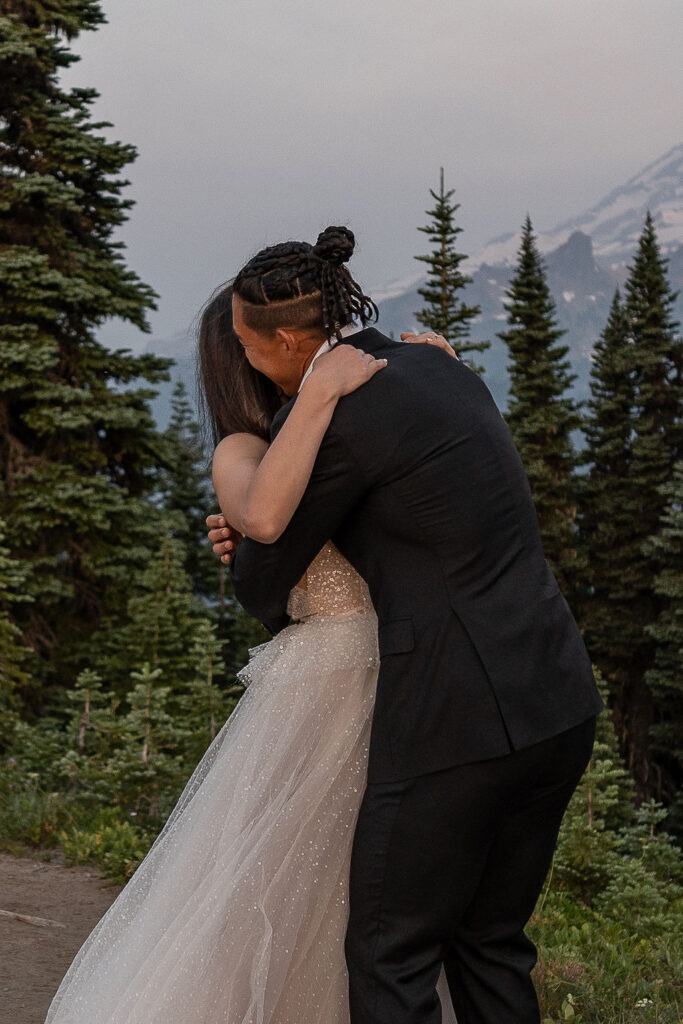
x=420, y=486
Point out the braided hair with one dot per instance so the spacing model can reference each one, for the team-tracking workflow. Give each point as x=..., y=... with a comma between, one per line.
x=295, y=284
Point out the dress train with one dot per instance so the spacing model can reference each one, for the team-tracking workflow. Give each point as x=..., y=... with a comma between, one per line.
x=238, y=912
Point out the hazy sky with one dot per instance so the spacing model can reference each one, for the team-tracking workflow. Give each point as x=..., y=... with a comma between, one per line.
x=260, y=120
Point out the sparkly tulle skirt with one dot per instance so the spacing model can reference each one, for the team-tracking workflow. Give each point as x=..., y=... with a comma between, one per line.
x=238, y=912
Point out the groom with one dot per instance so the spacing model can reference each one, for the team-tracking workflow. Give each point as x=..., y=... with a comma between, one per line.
x=485, y=710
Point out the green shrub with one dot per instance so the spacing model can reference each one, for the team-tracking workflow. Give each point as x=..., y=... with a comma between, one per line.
x=117, y=846
x=611, y=972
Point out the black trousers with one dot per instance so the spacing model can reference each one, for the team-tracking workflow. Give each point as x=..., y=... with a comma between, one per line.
x=447, y=868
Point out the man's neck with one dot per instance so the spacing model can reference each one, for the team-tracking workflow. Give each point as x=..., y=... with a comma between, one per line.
x=326, y=345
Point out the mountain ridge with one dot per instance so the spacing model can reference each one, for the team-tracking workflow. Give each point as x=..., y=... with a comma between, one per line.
x=583, y=268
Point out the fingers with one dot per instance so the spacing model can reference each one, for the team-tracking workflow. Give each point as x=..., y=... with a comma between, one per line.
x=215, y=520
x=372, y=365
x=426, y=336
x=429, y=338
x=220, y=547
x=440, y=342
x=225, y=551
x=219, y=534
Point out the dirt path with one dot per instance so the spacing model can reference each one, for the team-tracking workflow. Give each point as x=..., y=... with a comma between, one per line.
x=34, y=958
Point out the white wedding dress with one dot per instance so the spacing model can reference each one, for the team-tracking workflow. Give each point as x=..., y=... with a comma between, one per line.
x=238, y=912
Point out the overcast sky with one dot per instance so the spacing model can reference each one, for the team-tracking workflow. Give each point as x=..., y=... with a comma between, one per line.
x=260, y=120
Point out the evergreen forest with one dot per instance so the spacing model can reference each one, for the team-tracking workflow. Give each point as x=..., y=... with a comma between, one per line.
x=120, y=638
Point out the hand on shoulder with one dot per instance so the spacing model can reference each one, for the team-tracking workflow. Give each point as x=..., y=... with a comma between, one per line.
x=429, y=338
x=342, y=370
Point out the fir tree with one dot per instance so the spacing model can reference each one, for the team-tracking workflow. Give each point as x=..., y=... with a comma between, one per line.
x=600, y=805
x=186, y=494
x=147, y=770
x=444, y=311
x=14, y=655
x=653, y=359
x=665, y=678
x=605, y=516
x=541, y=415
x=186, y=491
x=204, y=706
x=645, y=887
x=87, y=701
x=160, y=626
x=90, y=736
x=78, y=445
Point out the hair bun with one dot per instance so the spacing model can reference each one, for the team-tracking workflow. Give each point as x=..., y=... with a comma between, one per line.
x=335, y=245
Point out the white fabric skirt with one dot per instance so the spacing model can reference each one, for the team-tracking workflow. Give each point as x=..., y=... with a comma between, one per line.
x=237, y=914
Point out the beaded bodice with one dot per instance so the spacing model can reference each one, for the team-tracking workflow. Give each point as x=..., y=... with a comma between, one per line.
x=333, y=587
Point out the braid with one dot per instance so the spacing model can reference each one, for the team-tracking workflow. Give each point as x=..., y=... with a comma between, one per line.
x=285, y=275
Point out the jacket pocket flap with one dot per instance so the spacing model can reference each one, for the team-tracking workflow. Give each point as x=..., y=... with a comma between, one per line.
x=396, y=636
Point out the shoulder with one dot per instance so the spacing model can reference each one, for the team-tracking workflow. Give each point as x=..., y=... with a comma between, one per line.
x=239, y=446
x=420, y=383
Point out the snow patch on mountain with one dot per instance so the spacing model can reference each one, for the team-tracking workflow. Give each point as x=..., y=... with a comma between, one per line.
x=396, y=287
x=615, y=223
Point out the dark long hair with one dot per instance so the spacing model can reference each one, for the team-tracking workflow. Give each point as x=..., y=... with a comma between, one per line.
x=233, y=397
x=294, y=284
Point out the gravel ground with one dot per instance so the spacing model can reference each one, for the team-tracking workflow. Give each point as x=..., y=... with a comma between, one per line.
x=34, y=957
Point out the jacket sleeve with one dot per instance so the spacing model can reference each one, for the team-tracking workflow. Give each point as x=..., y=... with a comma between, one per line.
x=264, y=574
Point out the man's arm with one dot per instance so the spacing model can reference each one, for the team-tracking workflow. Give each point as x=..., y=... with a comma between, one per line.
x=264, y=574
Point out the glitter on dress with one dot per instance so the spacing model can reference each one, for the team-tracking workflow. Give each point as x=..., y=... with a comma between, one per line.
x=237, y=914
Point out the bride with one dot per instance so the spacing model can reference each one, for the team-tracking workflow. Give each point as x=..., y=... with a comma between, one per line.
x=238, y=912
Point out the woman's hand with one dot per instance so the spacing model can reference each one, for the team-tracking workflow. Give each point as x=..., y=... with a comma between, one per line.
x=224, y=537
x=429, y=338
x=343, y=369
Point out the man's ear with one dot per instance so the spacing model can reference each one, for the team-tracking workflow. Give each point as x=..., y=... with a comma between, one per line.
x=288, y=338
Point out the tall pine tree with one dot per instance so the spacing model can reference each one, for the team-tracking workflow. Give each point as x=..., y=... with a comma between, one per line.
x=186, y=490
x=14, y=655
x=665, y=677
x=605, y=515
x=186, y=496
x=444, y=311
x=634, y=438
x=654, y=363
x=541, y=414
x=78, y=445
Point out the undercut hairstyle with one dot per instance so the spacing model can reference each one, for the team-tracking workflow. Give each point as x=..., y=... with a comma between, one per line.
x=233, y=397
x=298, y=285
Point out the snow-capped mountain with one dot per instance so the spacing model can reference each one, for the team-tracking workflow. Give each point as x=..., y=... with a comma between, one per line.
x=585, y=258
x=614, y=223
x=582, y=290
